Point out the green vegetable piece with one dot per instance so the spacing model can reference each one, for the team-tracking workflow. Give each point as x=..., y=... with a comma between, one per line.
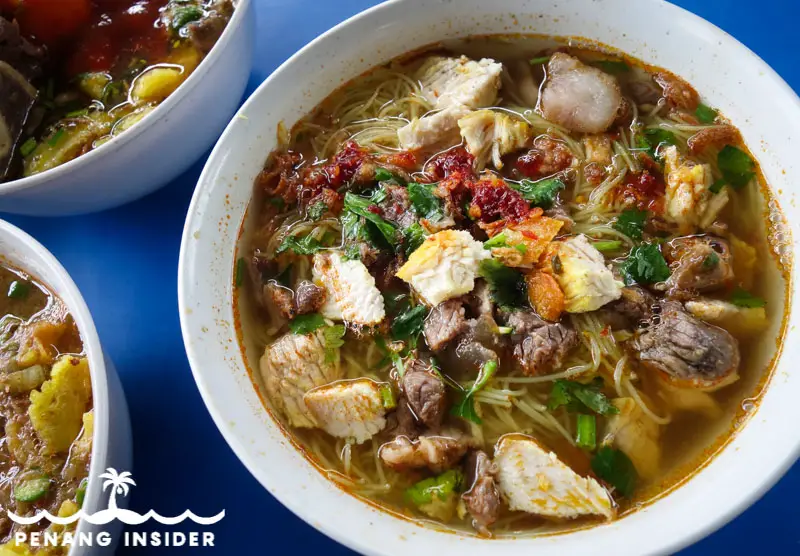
x=711, y=261
x=305, y=324
x=441, y=487
x=539, y=60
x=465, y=405
x=736, y=166
x=615, y=468
x=77, y=113
x=333, y=339
x=408, y=324
x=387, y=397
x=717, y=186
x=631, y=223
x=360, y=206
x=426, y=204
x=743, y=298
x=56, y=137
x=184, y=15
x=655, y=137
x=393, y=356
x=316, y=211
x=612, y=66
x=504, y=330
x=28, y=146
x=304, y=246
x=18, y=289
x=645, y=265
x=497, y=241
x=542, y=193
x=586, y=432
x=414, y=236
x=578, y=397
x=506, y=284
x=521, y=247
x=32, y=490
x=606, y=246
x=382, y=174
x=80, y=493
x=241, y=268
x=705, y=114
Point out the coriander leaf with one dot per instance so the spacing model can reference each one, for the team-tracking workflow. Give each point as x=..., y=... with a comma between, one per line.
x=651, y=139
x=414, y=236
x=361, y=206
x=382, y=174
x=612, y=66
x=615, y=468
x=304, y=246
x=316, y=211
x=425, y=203
x=395, y=358
x=184, y=15
x=705, y=114
x=645, y=265
x=736, y=166
x=396, y=302
x=408, y=324
x=465, y=403
x=578, y=397
x=333, y=337
x=743, y=298
x=717, y=186
x=507, y=285
x=631, y=223
x=305, y=324
x=542, y=193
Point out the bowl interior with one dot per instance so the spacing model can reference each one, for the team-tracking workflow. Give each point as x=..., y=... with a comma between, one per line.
x=711, y=60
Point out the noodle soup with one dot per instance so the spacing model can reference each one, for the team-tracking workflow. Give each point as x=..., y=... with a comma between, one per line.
x=511, y=285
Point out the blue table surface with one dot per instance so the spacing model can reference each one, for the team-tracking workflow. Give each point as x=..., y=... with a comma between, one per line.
x=125, y=263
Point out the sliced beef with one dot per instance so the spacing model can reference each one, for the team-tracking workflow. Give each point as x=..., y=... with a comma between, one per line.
x=539, y=346
x=437, y=452
x=482, y=498
x=633, y=310
x=402, y=421
x=425, y=393
x=282, y=298
x=685, y=348
x=397, y=206
x=18, y=52
x=308, y=298
x=205, y=32
x=698, y=264
x=444, y=323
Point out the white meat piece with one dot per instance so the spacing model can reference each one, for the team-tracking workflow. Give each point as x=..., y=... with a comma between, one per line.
x=291, y=366
x=739, y=321
x=440, y=128
x=579, y=97
x=587, y=282
x=460, y=81
x=444, y=266
x=490, y=134
x=689, y=201
x=532, y=479
x=636, y=435
x=352, y=295
x=348, y=408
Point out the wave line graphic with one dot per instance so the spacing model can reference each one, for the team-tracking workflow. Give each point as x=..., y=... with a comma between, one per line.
x=127, y=517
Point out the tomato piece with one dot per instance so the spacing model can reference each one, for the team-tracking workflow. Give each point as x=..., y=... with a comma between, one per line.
x=51, y=21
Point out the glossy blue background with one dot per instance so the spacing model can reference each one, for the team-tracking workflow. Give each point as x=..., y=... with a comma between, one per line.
x=125, y=264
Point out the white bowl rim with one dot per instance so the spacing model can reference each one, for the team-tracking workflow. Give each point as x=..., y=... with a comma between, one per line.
x=754, y=491
x=76, y=306
x=119, y=142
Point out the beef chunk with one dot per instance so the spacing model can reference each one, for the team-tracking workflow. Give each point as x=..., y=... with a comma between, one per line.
x=425, y=393
x=631, y=311
x=482, y=498
x=686, y=349
x=437, y=452
x=17, y=97
x=308, y=298
x=539, y=346
x=444, y=323
x=397, y=206
x=699, y=264
x=205, y=32
x=19, y=53
x=402, y=421
x=282, y=298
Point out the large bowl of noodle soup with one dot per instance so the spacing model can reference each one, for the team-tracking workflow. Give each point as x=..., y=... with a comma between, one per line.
x=731, y=468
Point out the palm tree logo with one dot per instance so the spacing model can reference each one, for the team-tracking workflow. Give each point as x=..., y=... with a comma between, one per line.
x=120, y=483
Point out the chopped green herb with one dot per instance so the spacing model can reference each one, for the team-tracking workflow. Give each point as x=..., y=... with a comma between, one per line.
x=645, y=265
x=241, y=268
x=425, y=203
x=316, y=211
x=18, y=290
x=28, y=146
x=387, y=397
x=360, y=206
x=539, y=60
x=184, y=15
x=56, y=137
x=654, y=138
x=407, y=326
x=333, y=337
x=711, y=261
x=605, y=246
x=736, y=166
x=586, y=435
x=542, y=193
x=521, y=247
x=504, y=330
x=306, y=245
x=615, y=468
x=32, y=490
x=717, y=186
x=631, y=223
x=80, y=493
x=391, y=355
x=507, y=284
x=382, y=174
x=612, y=66
x=497, y=241
x=414, y=236
x=305, y=324
x=352, y=252
x=442, y=487
x=578, y=397
x=77, y=113
x=705, y=114
x=465, y=404
x=743, y=298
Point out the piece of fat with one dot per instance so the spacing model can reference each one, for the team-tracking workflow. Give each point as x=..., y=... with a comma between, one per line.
x=352, y=295
x=291, y=366
x=459, y=81
x=444, y=266
x=348, y=408
x=533, y=480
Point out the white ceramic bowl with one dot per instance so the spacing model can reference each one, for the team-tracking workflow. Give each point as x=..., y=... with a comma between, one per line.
x=656, y=32
x=112, y=445
x=157, y=149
